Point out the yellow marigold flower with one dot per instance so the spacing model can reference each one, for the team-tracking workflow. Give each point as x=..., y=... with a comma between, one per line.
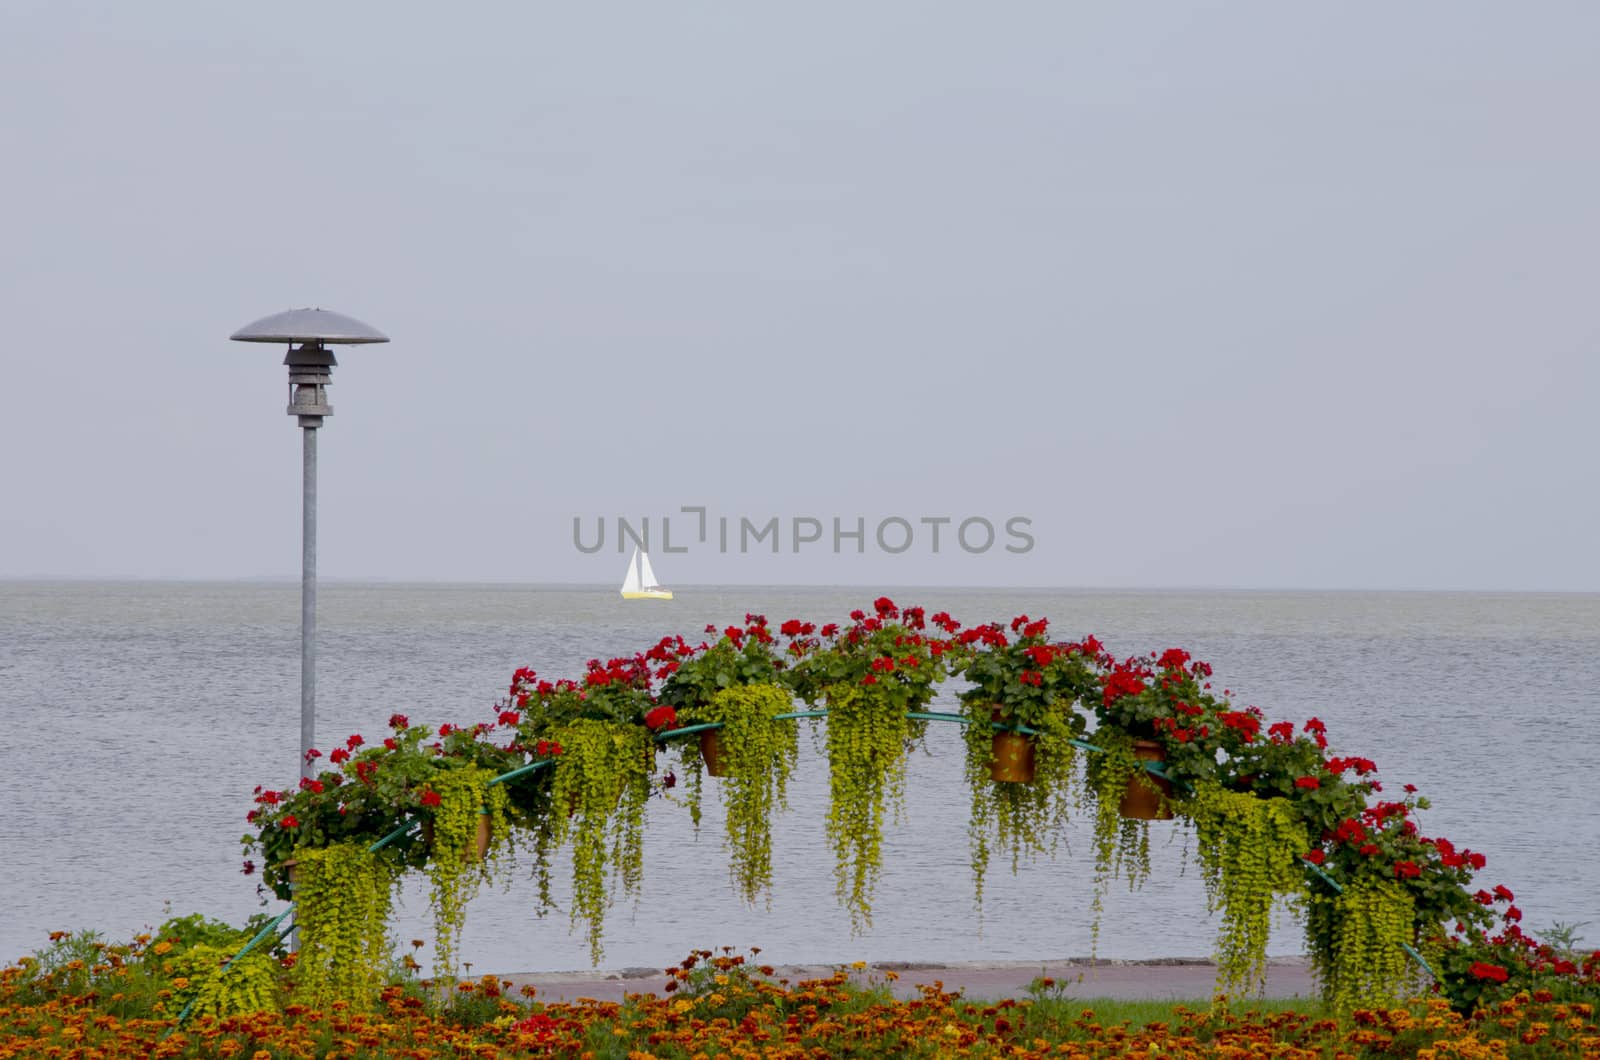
x=162, y=947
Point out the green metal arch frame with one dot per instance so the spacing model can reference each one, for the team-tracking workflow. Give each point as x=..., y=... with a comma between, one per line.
x=275, y=925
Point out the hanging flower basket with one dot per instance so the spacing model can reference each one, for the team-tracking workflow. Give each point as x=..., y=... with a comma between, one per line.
x=711, y=752
x=1149, y=797
x=1013, y=759
x=480, y=841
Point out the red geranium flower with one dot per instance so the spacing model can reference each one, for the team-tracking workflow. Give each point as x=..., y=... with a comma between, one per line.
x=430, y=798
x=1307, y=782
x=662, y=717
x=1488, y=971
x=1173, y=659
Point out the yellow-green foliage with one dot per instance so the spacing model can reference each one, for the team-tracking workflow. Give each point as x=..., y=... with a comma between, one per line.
x=867, y=736
x=453, y=865
x=199, y=978
x=1366, y=926
x=598, y=800
x=758, y=755
x=342, y=901
x=1019, y=819
x=1121, y=845
x=1249, y=851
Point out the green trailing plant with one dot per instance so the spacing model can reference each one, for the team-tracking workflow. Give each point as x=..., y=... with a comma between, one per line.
x=209, y=981
x=872, y=675
x=1121, y=845
x=200, y=958
x=1380, y=845
x=693, y=679
x=866, y=739
x=597, y=732
x=1022, y=682
x=456, y=801
x=343, y=894
x=1357, y=939
x=598, y=796
x=758, y=755
x=1249, y=850
x=1019, y=820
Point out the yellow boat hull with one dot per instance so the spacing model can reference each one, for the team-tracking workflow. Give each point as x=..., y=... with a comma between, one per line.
x=648, y=594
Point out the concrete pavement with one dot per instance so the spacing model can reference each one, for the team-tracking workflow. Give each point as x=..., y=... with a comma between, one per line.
x=1168, y=979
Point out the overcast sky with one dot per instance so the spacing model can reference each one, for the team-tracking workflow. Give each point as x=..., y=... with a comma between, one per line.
x=1223, y=295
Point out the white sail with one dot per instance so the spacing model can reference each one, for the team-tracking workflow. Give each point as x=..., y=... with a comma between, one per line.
x=640, y=584
x=631, y=582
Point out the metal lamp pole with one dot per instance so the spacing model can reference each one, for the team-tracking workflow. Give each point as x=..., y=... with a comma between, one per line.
x=311, y=366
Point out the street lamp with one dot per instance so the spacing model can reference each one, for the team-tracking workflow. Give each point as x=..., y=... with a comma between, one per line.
x=310, y=372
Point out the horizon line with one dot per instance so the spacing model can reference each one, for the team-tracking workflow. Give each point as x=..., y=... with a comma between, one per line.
x=293, y=580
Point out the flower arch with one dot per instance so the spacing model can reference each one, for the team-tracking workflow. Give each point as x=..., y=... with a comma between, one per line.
x=573, y=761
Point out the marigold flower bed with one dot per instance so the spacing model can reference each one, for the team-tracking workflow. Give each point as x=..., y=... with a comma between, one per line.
x=723, y=1006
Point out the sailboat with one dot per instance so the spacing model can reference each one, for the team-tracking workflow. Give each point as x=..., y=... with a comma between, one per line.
x=640, y=582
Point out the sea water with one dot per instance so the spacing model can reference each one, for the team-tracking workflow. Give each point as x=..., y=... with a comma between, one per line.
x=139, y=716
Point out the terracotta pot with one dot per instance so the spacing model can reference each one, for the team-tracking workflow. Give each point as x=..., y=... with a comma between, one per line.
x=480, y=847
x=1149, y=797
x=711, y=751
x=1013, y=759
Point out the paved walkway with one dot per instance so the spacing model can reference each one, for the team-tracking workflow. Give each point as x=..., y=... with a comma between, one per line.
x=1175, y=979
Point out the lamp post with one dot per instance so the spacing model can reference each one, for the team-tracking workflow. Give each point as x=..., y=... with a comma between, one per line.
x=310, y=372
